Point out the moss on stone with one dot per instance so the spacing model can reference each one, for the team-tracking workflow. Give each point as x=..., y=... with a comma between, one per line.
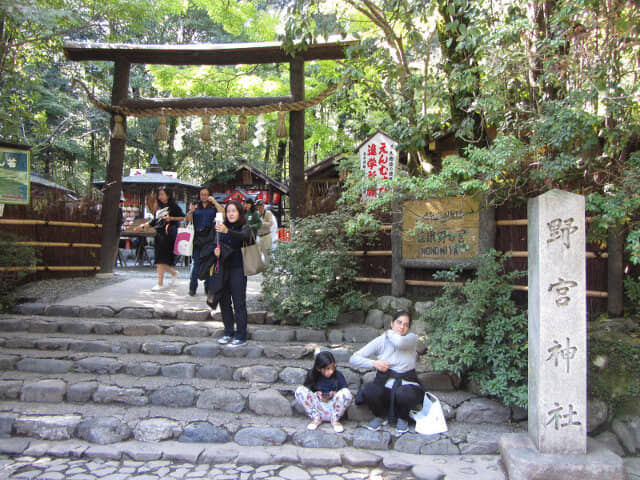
x=614, y=364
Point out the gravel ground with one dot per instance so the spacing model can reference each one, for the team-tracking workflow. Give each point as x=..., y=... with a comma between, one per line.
x=56, y=290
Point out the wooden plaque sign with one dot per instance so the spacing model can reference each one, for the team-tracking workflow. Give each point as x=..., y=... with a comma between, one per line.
x=453, y=233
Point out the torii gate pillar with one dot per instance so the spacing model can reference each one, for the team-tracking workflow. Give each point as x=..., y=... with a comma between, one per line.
x=113, y=179
x=296, y=139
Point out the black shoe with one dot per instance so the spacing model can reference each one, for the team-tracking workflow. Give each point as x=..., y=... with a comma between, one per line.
x=192, y=293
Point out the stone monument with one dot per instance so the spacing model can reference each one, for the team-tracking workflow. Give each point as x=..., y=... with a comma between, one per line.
x=556, y=446
x=557, y=323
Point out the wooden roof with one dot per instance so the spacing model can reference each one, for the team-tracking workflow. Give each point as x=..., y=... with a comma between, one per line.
x=201, y=54
x=326, y=168
x=263, y=176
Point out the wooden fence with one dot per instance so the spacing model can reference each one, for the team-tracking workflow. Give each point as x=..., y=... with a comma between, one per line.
x=511, y=238
x=65, y=235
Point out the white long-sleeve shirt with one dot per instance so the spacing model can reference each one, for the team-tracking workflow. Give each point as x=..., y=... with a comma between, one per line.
x=398, y=350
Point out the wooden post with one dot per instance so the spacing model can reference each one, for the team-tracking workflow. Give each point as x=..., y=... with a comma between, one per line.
x=397, y=270
x=113, y=177
x=296, y=140
x=615, y=271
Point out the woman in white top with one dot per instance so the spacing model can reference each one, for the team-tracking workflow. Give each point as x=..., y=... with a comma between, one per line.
x=396, y=389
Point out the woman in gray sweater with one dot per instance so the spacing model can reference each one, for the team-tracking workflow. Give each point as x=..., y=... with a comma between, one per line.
x=396, y=389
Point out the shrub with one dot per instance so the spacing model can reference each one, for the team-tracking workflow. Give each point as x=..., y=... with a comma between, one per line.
x=13, y=254
x=632, y=291
x=477, y=331
x=614, y=368
x=312, y=277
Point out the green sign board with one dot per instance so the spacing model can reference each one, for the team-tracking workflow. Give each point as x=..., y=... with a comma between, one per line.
x=15, y=175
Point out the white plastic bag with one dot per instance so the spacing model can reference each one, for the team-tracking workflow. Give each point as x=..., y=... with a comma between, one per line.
x=430, y=420
x=184, y=241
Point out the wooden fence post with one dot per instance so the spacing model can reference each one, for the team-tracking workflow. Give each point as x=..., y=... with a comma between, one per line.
x=615, y=271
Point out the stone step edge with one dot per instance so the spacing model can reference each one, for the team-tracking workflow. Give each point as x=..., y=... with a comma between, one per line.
x=134, y=312
x=151, y=430
x=253, y=376
x=348, y=333
x=249, y=377
x=238, y=399
x=221, y=453
x=180, y=350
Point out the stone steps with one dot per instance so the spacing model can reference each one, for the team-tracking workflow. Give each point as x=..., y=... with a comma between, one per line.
x=227, y=395
x=182, y=367
x=107, y=380
x=111, y=423
x=169, y=346
x=264, y=458
x=185, y=328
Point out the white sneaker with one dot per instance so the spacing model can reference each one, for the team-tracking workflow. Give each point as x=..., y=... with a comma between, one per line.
x=158, y=288
x=172, y=282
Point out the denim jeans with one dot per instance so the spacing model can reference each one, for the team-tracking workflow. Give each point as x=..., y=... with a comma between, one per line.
x=235, y=290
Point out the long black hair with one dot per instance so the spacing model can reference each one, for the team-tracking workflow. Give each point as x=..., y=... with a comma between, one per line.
x=242, y=219
x=322, y=360
x=170, y=200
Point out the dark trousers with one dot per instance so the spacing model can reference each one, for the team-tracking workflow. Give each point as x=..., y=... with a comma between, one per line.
x=378, y=398
x=235, y=290
x=193, y=274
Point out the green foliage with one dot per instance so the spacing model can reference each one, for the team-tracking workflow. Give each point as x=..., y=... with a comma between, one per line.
x=13, y=255
x=390, y=79
x=312, y=277
x=614, y=370
x=632, y=292
x=478, y=332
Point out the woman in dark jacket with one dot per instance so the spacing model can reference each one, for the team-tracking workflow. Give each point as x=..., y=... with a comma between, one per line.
x=233, y=285
x=166, y=219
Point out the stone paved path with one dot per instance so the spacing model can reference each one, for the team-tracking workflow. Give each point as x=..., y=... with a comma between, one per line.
x=51, y=468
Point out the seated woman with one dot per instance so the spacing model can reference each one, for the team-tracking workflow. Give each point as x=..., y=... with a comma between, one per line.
x=396, y=389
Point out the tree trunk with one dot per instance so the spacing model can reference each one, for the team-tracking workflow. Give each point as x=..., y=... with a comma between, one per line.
x=113, y=178
x=296, y=132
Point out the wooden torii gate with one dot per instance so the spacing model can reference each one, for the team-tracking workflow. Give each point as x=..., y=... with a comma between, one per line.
x=123, y=55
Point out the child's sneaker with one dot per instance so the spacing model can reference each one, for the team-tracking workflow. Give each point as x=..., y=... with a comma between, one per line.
x=337, y=426
x=314, y=424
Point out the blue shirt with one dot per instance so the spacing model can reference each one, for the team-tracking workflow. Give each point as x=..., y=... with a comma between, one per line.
x=324, y=384
x=203, y=217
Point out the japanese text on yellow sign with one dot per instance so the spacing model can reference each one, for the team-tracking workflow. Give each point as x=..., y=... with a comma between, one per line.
x=452, y=229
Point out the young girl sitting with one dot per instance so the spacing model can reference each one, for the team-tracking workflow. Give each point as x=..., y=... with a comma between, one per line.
x=325, y=395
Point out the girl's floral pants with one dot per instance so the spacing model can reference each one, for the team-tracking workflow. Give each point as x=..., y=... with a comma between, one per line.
x=329, y=411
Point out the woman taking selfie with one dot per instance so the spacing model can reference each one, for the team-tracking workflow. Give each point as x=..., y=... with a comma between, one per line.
x=230, y=284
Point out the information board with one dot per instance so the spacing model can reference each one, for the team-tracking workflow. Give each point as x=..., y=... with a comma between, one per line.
x=451, y=233
x=15, y=169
